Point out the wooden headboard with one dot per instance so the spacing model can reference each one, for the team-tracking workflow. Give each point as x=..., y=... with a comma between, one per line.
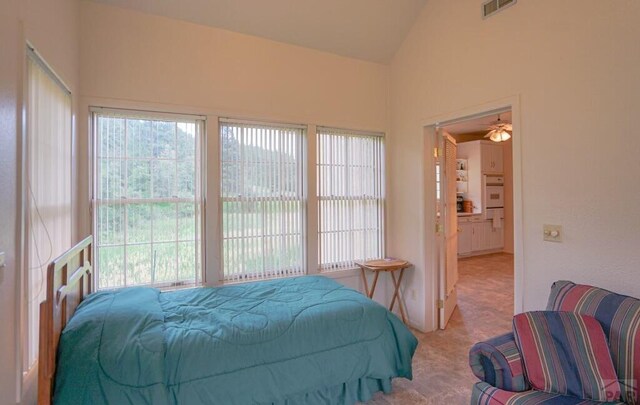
x=69, y=280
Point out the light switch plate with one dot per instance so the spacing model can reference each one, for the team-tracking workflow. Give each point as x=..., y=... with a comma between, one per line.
x=552, y=233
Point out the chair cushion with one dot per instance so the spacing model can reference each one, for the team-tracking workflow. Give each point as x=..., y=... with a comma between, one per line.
x=566, y=353
x=619, y=316
x=485, y=394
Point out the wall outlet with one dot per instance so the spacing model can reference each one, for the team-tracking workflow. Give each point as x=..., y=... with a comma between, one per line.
x=552, y=233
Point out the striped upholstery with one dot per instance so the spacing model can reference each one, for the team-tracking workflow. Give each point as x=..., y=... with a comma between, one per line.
x=497, y=361
x=485, y=394
x=566, y=353
x=619, y=316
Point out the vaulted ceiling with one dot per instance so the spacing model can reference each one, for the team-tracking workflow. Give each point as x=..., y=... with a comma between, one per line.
x=364, y=29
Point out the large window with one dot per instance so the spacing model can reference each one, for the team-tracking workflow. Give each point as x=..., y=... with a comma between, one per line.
x=48, y=189
x=350, y=179
x=262, y=200
x=147, y=199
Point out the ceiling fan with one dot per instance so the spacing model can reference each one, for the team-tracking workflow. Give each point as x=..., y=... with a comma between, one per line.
x=499, y=131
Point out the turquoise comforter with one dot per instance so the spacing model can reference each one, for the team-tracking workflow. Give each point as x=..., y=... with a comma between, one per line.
x=306, y=340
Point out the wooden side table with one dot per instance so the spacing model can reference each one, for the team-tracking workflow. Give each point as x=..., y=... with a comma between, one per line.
x=385, y=265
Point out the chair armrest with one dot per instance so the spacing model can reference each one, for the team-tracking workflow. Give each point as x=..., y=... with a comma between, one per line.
x=497, y=361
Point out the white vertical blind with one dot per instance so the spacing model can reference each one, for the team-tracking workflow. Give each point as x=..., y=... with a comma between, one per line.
x=350, y=197
x=48, y=186
x=262, y=193
x=147, y=199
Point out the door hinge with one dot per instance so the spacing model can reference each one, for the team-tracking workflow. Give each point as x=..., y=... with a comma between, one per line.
x=438, y=228
x=437, y=152
x=440, y=304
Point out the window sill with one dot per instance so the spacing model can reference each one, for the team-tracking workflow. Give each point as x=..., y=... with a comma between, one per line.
x=345, y=273
x=337, y=274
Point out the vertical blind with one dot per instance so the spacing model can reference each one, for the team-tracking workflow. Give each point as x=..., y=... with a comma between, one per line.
x=350, y=180
x=262, y=193
x=147, y=199
x=48, y=186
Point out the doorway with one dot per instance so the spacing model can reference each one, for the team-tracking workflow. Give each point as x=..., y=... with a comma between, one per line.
x=477, y=213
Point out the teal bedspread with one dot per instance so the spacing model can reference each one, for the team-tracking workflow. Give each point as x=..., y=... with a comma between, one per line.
x=305, y=340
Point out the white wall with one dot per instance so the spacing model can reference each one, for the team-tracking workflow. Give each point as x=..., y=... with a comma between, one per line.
x=136, y=60
x=52, y=27
x=9, y=39
x=574, y=64
x=135, y=56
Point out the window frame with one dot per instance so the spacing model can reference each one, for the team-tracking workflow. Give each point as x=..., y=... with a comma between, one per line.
x=333, y=268
x=211, y=176
x=201, y=154
x=303, y=198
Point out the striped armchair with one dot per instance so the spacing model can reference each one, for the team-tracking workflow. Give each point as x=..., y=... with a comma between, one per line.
x=498, y=364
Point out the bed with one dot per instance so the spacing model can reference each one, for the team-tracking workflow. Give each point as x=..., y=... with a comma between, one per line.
x=304, y=340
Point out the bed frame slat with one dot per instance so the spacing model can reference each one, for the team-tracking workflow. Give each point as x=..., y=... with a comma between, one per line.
x=69, y=280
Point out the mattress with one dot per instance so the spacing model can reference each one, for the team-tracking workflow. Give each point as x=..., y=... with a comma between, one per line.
x=300, y=340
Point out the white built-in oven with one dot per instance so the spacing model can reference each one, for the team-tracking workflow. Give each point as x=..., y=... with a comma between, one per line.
x=494, y=191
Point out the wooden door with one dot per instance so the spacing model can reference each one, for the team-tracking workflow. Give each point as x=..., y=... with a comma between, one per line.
x=449, y=220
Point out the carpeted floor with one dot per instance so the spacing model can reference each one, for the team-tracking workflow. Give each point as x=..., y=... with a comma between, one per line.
x=441, y=374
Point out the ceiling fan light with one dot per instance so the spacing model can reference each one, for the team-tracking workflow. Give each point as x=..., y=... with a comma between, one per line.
x=499, y=135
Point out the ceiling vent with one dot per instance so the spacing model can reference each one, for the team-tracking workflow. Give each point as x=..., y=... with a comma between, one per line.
x=491, y=7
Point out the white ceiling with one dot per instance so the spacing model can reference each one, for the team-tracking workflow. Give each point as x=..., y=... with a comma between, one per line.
x=364, y=29
x=476, y=125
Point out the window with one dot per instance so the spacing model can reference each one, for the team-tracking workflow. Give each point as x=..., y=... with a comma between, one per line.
x=350, y=197
x=147, y=199
x=263, y=213
x=48, y=179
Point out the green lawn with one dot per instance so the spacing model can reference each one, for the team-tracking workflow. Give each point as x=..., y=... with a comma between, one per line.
x=152, y=254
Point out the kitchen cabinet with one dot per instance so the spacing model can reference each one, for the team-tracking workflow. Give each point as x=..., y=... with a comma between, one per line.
x=491, y=157
x=494, y=237
x=464, y=237
x=477, y=236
